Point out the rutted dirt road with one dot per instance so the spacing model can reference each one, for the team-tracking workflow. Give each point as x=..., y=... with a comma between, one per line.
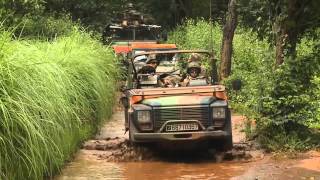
x=109, y=156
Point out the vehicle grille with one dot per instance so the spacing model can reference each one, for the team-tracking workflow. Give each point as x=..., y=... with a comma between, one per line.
x=190, y=113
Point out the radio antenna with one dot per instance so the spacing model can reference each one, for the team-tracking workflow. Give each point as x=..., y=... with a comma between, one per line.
x=210, y=19
x=214, y=73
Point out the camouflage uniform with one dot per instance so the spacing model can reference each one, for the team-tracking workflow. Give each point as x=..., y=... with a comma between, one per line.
x=171, y=81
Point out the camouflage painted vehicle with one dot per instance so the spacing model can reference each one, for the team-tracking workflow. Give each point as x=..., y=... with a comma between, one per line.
x=158, y=113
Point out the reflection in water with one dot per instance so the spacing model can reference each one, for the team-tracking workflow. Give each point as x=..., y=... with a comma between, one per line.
x=85, y=169
x=161, y=170
x=89, y=170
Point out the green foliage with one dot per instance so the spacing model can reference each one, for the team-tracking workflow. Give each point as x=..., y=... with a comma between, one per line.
x=30, y=19
x=53, y=95
x=196, y=34
x=252, y=59
x=44, y=27
x=279, y=138
x=252, y=63
x=292, y=108
x=282, y=101
x=292, y=94
x=265, y=16
x=315, y=123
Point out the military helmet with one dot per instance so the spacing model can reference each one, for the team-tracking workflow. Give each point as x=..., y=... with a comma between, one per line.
x=194, y=57
x=194, y=64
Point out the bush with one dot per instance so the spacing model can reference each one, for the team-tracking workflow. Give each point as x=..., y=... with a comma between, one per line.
x=288, y=137
x=292, y=94
x=47, y=27
x=44, y=27
x=52, y=96
x=195, y=34
x=315, y=123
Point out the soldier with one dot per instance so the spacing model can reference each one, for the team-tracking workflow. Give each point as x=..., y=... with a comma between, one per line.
x=193, y=70
x=195, y=57
x=170, y=81
x=152, y=61
x=151, y=65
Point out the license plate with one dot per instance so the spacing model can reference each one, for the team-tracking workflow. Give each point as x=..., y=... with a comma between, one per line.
x=182, y=127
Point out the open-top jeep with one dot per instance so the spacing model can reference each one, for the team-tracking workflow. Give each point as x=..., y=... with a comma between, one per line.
x=159, y=112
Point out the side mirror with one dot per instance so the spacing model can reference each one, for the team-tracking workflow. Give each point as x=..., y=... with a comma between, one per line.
x=236, y=84
x=123, y=88
x=214, y=71
x=164, y=36
x=124, y=102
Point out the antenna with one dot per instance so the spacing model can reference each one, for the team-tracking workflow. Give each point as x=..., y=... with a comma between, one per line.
x=210, y=19
x=214, y=73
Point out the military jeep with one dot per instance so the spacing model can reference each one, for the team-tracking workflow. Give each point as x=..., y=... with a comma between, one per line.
x=158, y=113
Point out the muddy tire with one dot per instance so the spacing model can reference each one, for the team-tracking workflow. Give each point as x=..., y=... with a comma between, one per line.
x=226, y=144
x=132, y=130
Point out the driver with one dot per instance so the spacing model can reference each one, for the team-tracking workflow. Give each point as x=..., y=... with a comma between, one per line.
x=151, y=65
x=152, y=61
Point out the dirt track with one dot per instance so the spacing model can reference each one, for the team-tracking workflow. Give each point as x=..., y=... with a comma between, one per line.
x=110, y=150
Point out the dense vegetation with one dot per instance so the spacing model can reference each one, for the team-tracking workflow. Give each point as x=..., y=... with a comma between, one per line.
x=284, y=101
x=57, y=82
x=53, y=96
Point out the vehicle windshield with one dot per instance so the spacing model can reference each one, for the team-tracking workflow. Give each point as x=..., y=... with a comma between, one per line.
x=128, y=34
x=172, y=69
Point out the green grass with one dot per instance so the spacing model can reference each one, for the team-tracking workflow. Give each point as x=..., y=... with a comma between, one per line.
x=53, y=95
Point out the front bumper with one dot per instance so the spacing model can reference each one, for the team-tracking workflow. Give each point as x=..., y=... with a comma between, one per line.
x=178, y=136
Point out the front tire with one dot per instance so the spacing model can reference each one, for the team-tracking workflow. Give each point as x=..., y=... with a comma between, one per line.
x=228, y=143
x=132, y=130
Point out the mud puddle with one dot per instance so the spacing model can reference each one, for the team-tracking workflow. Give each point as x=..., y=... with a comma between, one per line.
x=110, y=156
x=121, y=150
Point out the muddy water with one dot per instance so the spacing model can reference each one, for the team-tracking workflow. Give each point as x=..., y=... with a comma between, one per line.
x=88, y=169
x=85, y=168
x=93, y=164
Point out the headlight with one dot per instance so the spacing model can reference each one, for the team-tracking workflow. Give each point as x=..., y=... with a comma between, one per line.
x=143, y=117
x=218, y=113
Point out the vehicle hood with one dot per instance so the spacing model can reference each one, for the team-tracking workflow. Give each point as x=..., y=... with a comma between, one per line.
x=179, y=100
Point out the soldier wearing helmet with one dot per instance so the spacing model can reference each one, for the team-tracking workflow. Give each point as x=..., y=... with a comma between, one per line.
x=150, y=65
x=193, y=70
x=195, y=57
x=152, y=61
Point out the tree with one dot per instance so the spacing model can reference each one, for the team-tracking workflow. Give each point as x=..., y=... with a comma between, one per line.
x=228, y=33
x=282, y=22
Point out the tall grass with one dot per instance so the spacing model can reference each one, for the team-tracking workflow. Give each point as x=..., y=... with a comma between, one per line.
x=52, y=96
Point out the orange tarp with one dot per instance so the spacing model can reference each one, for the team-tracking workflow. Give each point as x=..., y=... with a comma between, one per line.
x=153, y=46
x=121, y=49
